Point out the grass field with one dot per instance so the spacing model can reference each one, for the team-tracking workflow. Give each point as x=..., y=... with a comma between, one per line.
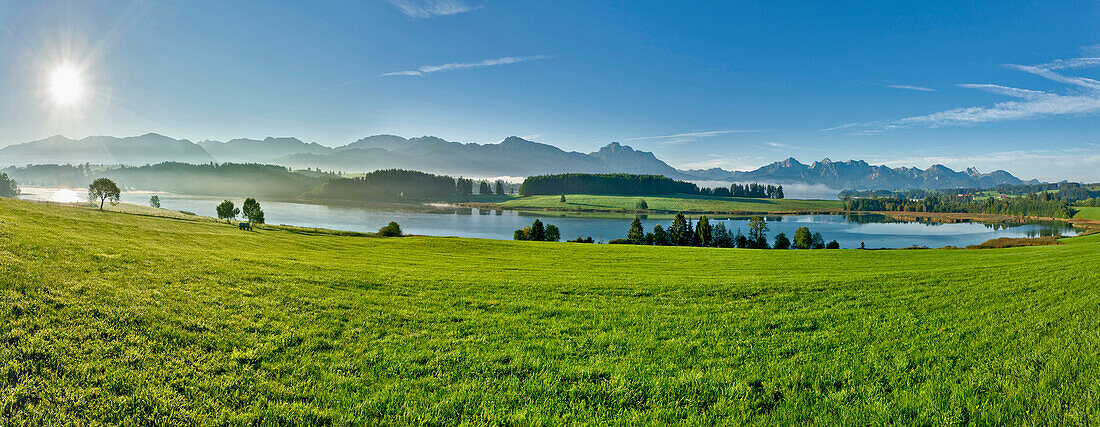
x=1087, y=213
x=108, y=317
x=684, y=202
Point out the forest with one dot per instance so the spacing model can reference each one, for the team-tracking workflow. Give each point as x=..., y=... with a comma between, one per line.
x=1034, y=204
x=392, y=184
x=641, y=185
x=1069, y=192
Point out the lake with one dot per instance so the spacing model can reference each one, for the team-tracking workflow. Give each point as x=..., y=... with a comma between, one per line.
x=442, y=220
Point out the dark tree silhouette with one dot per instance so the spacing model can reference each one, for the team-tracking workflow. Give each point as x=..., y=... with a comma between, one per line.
x=154, y=201
x=552, y=233
x=781, y=241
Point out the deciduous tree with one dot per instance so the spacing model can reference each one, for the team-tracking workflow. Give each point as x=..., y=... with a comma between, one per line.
x=227, y=211
x=104, y=189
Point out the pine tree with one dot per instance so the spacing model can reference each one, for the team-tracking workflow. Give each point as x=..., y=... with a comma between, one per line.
x=676, y=231
x=636, y=234
x=704, y=233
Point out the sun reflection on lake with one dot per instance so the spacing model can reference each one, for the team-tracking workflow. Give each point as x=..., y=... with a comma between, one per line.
x=65, y=196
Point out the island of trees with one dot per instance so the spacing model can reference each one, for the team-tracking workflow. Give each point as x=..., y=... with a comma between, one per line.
x=631, y=184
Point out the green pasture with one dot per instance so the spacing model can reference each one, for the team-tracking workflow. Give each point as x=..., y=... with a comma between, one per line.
x=135, y=319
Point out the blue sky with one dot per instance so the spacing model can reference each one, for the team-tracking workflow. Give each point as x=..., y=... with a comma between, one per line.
x=729, y=84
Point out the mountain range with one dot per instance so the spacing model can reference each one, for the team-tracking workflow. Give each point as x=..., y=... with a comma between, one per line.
x=513, y=156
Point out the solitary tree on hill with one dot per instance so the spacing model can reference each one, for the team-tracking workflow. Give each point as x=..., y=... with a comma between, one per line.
x=390, y=230
x=251, y=210
x=562, y=198
x=8, y=187
x=227, y=211
x=103, y=189
x=154, y=201
x=641, y=205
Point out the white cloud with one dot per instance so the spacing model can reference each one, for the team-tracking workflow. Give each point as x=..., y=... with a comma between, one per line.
x=465, y=65
x=1084, y=99
x=431, y=8
x=687, y=137
x=909, y=87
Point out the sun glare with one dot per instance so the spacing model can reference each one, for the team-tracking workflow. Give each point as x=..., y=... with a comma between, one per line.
x=65, y=86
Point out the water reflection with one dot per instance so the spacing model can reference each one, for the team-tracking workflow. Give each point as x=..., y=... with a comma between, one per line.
x=874, y=231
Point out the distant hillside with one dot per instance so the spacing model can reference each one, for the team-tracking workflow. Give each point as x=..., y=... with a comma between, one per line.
x=858, y=174
x=513, y=156
x=256, y=151
x=207, y=179
x=105, y=150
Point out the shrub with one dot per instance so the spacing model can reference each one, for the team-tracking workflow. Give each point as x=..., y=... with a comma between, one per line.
x=390, y=230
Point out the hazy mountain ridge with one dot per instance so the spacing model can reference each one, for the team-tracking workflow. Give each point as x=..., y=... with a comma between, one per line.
x=107, y=150
x=513, y=156
x=858, y=174
x=243, y=150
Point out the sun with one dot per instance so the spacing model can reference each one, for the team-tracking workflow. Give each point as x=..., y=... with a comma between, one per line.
x=66, y=86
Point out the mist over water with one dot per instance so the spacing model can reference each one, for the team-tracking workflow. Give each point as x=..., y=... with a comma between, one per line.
x=445, y=220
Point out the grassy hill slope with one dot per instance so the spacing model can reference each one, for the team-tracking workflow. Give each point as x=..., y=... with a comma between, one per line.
x=1087, y=213
x=117, y=318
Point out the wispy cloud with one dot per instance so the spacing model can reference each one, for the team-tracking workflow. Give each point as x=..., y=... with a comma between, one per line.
x=1082, y=98
x=687, y=137
x=431, y=8
x=427, y=69
x=909, y=87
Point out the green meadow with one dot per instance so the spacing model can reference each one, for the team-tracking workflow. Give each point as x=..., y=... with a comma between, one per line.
x=131, y=318
x=679, y=202
x=1087, y=213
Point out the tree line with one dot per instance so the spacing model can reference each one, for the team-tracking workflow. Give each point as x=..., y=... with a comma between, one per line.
x=633, y=184
x=538, y=232
x=1066, y=191
x=683, y=232
x=401, y=184
x=1034, y=204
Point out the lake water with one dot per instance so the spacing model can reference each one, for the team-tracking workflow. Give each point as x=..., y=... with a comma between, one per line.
x=500, y=224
